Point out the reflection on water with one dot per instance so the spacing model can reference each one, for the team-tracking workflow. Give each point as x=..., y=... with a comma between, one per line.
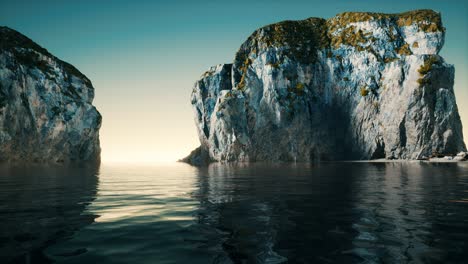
x=259, y=213
x=42, y=206
x=337, y=213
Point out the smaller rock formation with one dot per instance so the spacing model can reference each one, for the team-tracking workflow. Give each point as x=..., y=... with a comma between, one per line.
x=46, y=111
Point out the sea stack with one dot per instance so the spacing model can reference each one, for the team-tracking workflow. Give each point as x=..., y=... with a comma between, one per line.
x=356, y=86
x=46, y=111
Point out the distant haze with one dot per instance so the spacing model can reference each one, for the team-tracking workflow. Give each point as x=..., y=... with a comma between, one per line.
x=143, y=57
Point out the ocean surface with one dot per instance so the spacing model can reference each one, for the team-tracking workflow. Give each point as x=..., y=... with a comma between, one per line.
x=259, y=213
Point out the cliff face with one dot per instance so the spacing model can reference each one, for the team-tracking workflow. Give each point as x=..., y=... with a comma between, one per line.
x=46, y=111
x=356, y=86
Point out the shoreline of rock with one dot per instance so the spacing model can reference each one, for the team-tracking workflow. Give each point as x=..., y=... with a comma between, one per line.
x=196, y=160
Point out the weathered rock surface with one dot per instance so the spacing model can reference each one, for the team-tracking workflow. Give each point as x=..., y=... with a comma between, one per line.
x=356, y=86
x=46, y=111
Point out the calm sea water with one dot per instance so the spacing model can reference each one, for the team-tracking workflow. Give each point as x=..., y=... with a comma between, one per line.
x=288, y=213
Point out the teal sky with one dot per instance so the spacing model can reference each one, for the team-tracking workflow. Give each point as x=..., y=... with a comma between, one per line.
x=144, y=56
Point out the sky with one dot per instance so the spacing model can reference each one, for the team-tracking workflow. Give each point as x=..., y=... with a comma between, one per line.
x=143, y=57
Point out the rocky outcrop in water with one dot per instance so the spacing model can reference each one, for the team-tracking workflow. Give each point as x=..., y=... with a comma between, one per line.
x=46, y=111
x=356, y=86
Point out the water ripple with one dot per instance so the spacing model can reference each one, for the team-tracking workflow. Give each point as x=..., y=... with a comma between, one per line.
x=259, y=213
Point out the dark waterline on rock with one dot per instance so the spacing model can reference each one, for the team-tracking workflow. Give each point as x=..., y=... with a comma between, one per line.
x=259, y=213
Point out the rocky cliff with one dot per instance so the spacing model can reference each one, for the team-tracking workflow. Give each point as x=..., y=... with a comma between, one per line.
x=355, y=86
x=46, y=111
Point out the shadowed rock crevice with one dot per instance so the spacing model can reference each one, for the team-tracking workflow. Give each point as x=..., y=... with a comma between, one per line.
x=403, y=133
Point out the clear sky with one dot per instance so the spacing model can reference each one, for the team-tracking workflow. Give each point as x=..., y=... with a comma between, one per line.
x=143, y=57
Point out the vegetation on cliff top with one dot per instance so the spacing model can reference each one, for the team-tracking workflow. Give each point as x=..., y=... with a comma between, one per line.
x=426, y=19
x=303, y=37
x=341, y=30
x=300, y=40
x=349, y=36
x=25, y=50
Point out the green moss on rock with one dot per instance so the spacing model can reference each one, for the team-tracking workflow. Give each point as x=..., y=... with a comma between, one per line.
x=390, y=59
x=404, y=50
x=300, y=88
x=300, y=39
x=428, y=64
x=349, y=36
x=423, y=81
x=364, y=92
x=426, y=19
x=243, y=69
x=426, y=67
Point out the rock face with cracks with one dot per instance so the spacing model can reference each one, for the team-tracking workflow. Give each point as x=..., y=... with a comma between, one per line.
x=46, y=111
x=356, y=86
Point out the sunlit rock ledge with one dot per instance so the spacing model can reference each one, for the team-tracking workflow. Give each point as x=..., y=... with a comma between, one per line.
x=46, y=111
x=358, y=86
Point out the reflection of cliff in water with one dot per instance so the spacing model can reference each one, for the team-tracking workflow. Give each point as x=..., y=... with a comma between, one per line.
x=335, y=213
x=273, y=213
x=41, y=206
x=407, y=214
x=445, y=203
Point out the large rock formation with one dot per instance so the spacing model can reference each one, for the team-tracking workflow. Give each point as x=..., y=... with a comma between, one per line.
x=356, y=86
x=46, y=113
